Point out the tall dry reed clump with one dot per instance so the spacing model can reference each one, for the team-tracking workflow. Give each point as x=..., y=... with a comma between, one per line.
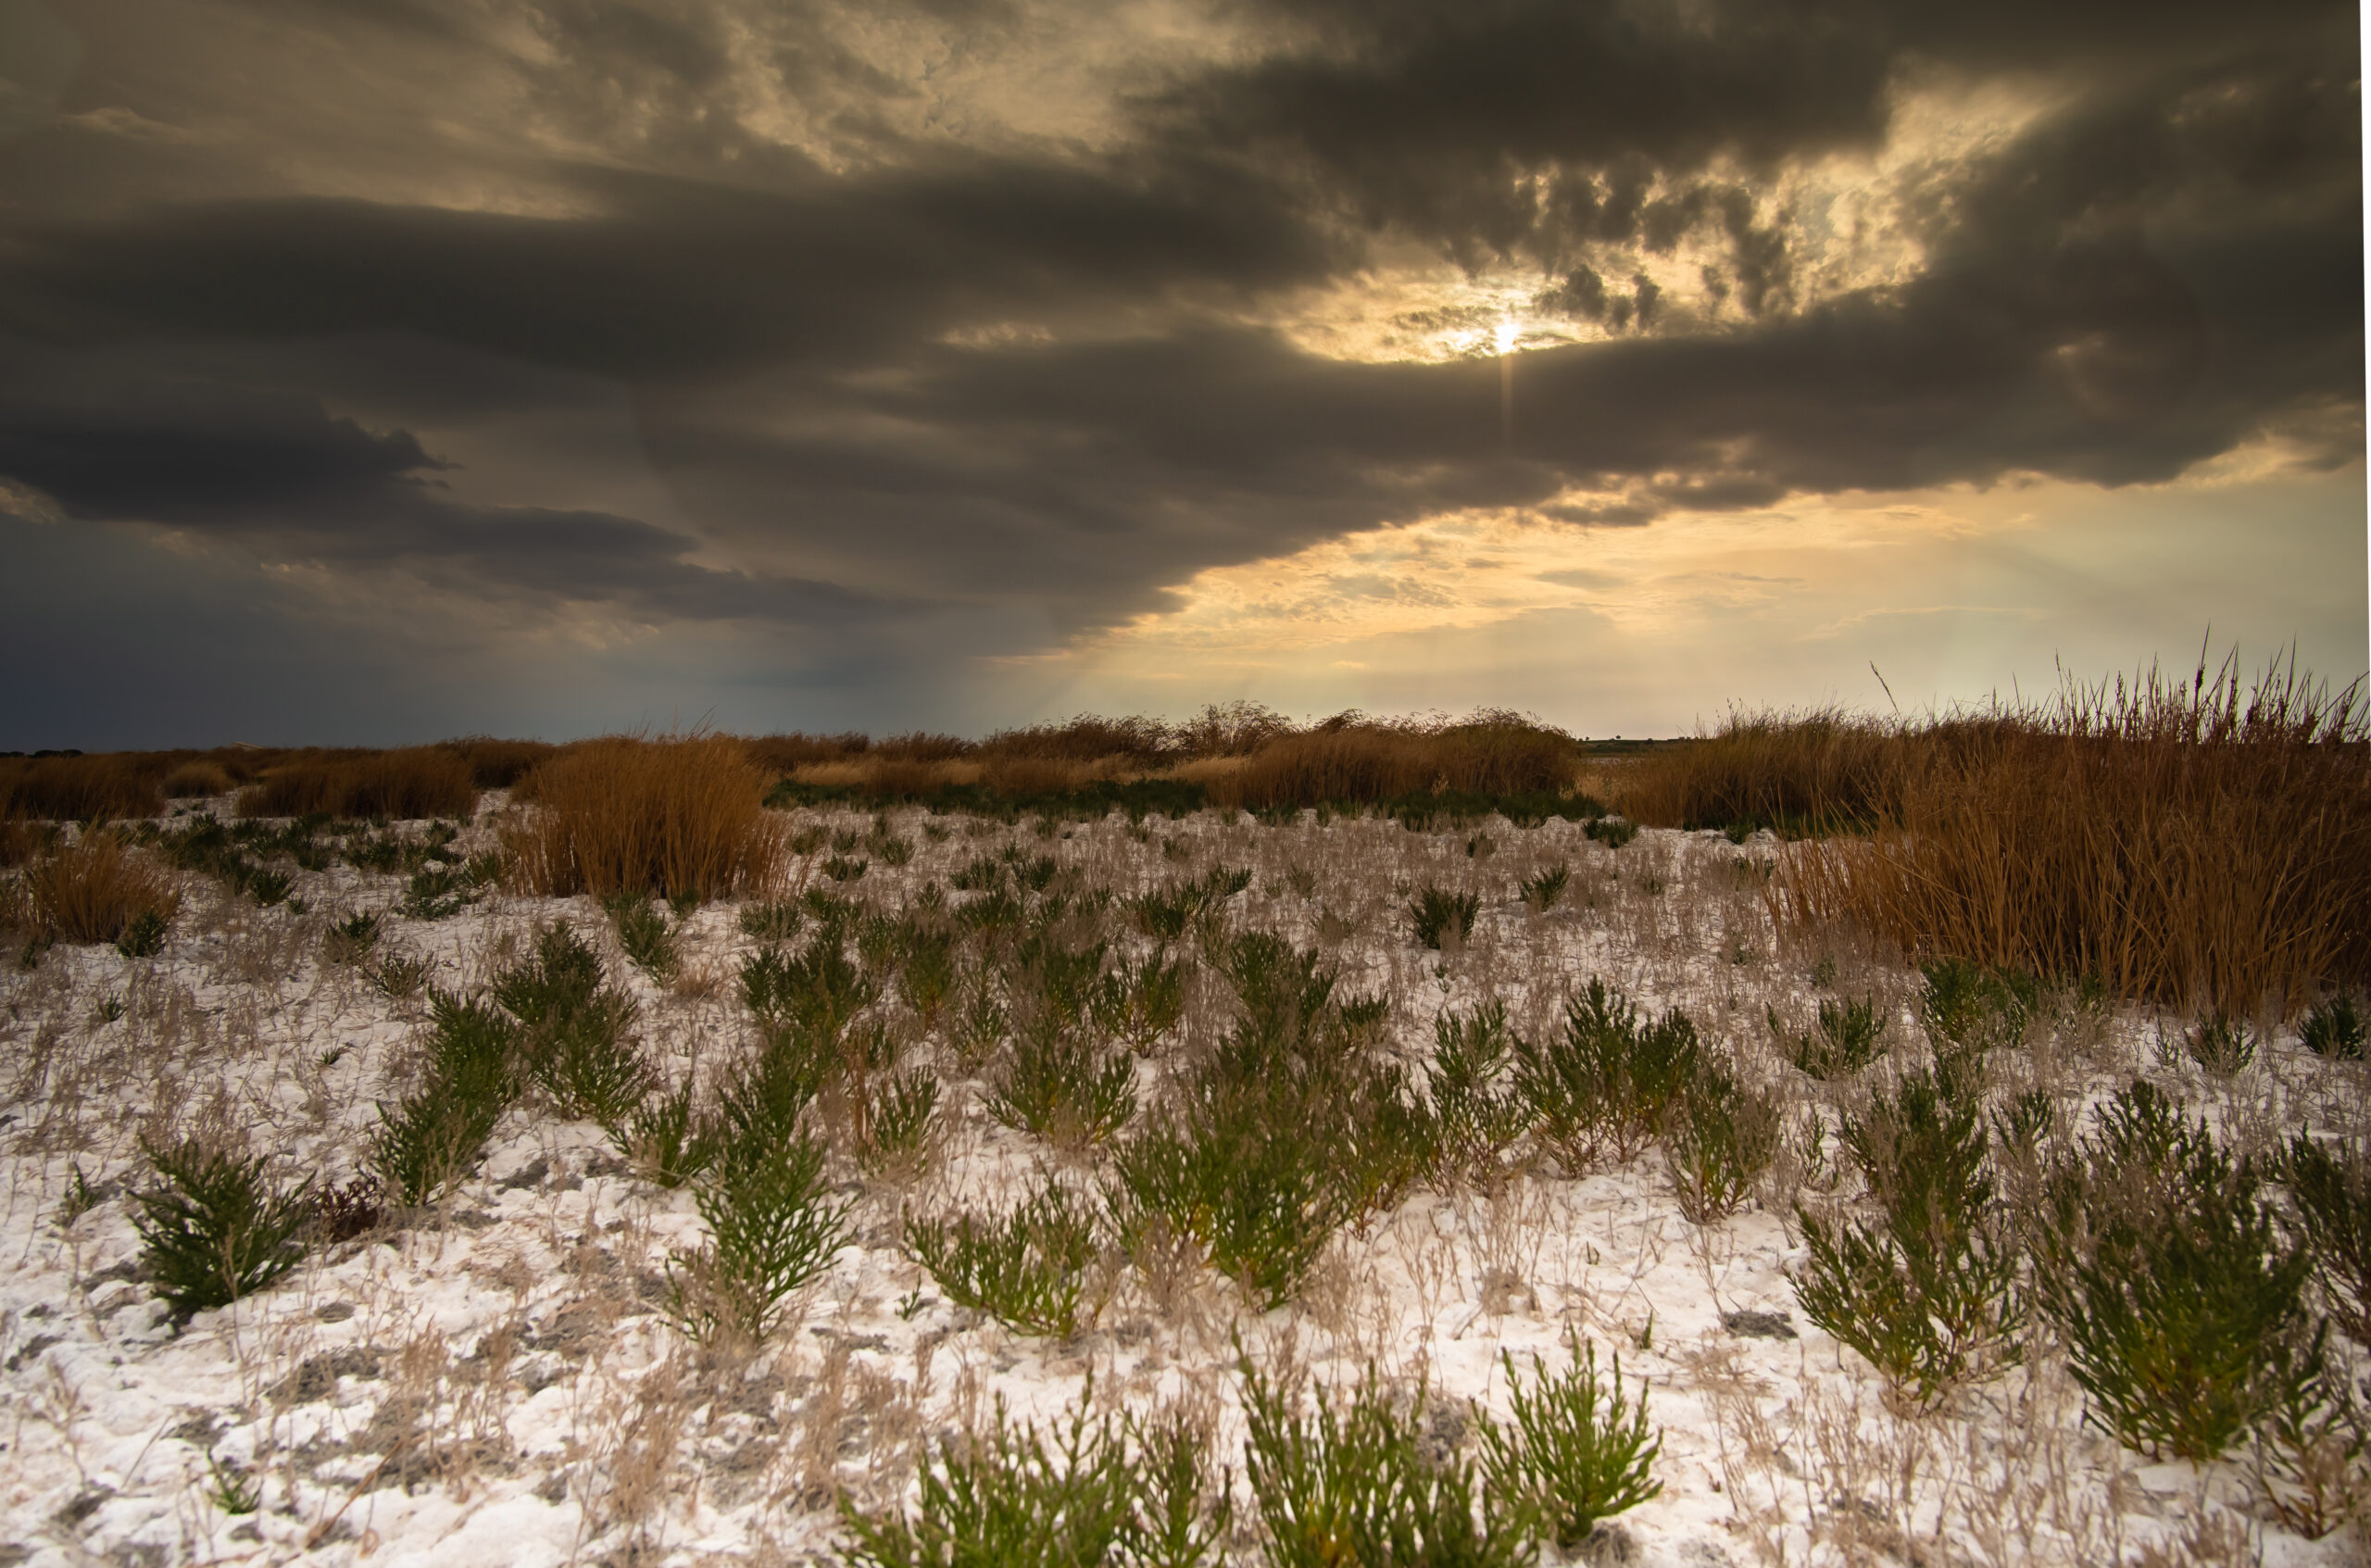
x=410, y=782
x=498, y=764
x=2193, y=843
x=108, y=786
x=1822, y=769
x=623, y=814
x=93, y=890
x=1351, y=758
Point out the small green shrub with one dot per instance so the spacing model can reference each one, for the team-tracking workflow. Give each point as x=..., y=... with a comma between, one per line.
x=144, y=935
x=1928, y=1296
x=927, y=978
x=351, y=939
x=1577, y=1452
x=401, y=976
x=435, y=1136
x=898, y=1123
x=981, y=1020
x=665, y=1141
x=214, y=1229
x=2331, y=1190
x=1140, y=1001
x=1437, y=913
x=651, y=946
x=816, y=990
x=1013, y=1496
x=270, y=887
x=1260, y=1201
x=839, y=868
x=2335, y=1027
x=1609, y=1081
x=436, y=892
x=1722, y=1139
x=1611, y=832
x=573, y=1041
x=1480, y=1115
x=2221, y=1044
x=1057, y=1083
x=2181, y=1305
x=1285, y=995
x=772, y=1229
x=1356, y=1487
x=1542, y=890
x=1849, y=1036
x=1026, y=1268
x=1968, y=1008
x=773, y=919
x=557, y=980
x=588, y=1063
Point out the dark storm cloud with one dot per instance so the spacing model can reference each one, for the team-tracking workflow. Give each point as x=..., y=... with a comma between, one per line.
x=273, y=470
x=1042, y=375
x=1542, y=129
x=677, y=278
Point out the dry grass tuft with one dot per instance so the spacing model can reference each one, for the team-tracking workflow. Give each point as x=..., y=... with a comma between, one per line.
x=93, y=890
x=624, y=814
x=2193, y=843
x=408, y=782
x=199, y=776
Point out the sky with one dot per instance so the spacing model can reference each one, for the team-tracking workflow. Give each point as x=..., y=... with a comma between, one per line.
x=375, y=371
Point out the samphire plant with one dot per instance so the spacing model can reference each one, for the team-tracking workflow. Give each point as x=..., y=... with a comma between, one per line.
x=213, y=1228
x=1609, y=1082
x=1027, y=1267
x=431, y=1139
x=1350, y=1482
x=1928, y=1295
x=772, y=1224
x=1578, y=1450
x=1081, y=1494
x=2166, y=1273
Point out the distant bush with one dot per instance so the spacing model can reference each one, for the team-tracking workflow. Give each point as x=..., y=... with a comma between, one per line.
x=1351, y=758
x=108, y=786
x=679, y=814
x=200, y=777
x=405, y=784
x=498, y=764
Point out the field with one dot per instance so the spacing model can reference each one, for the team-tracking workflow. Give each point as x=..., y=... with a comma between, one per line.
x=1251, y=1144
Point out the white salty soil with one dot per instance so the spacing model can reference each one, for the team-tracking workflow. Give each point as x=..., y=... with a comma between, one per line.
x=497, y=1383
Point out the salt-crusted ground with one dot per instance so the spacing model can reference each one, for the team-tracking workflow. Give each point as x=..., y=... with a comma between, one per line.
x=497, y=1382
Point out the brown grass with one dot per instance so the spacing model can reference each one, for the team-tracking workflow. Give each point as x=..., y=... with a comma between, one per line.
x=1352, y=759
x=409, y=783
x=498, y=764
x=90, y=891
x=1774, y=769
x=781, y=754
x=1138, y=741
x=104, y=788
x=624, y=814
x=2190, y=844
x=198, y=776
